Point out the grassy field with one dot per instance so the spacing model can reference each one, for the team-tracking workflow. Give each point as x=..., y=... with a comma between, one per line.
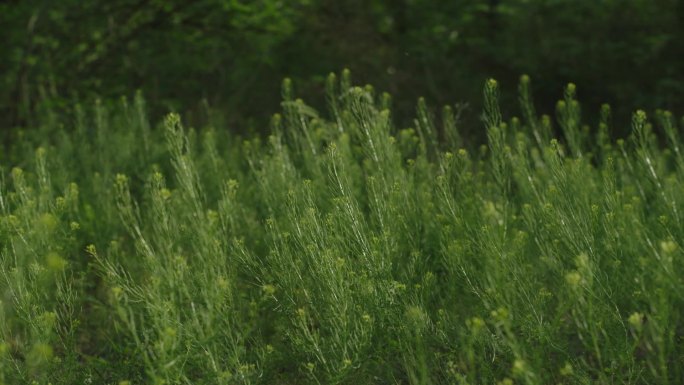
x=342, y=249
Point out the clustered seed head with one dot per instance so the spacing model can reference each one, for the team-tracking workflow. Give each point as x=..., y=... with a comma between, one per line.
x=636, y=320
x=566, y=370
x=668, y=246
x=573, y=278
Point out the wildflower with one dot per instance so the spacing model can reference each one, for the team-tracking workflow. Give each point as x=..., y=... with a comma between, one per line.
x=636, y=320
x=663, y=220
x=595, y=209
x=222, y=283
x=47, y=320
x=121, y=180
x=476, y=324
x=165, y=193
x=640, y=116
x=117, y=291
x=233, y=184
x=212, y=216
x=582, y=260
x=566, y=370
x=573, y=278
x=17, y=173
x=501, y=314
x=54, y=262
x=346, y=363
x=90, y=249
x=73, y=191
x=310, y=366
x=668, y=247
x=268, y=289
x=519, y=367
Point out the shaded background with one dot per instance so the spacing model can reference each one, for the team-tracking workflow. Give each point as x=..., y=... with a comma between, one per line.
x=232, y=55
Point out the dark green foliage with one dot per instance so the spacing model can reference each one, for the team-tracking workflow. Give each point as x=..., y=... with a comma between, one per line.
x=231, y=54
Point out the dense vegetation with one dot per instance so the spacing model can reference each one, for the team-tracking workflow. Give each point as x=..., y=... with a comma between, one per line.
x=234, y=53
x=356, y=239
x=341, y=249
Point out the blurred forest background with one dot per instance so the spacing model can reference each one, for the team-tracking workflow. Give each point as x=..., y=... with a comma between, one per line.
x=232, y=55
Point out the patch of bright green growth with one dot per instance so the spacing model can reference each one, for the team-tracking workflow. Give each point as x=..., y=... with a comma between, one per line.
x=343, y=250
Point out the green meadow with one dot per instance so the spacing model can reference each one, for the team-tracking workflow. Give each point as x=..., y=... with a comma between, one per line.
x=343, y=249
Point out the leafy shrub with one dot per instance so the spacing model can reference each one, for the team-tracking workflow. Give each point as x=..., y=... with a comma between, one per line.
x=343, y=250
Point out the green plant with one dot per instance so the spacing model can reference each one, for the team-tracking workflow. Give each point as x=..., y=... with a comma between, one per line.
x=343, y=250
